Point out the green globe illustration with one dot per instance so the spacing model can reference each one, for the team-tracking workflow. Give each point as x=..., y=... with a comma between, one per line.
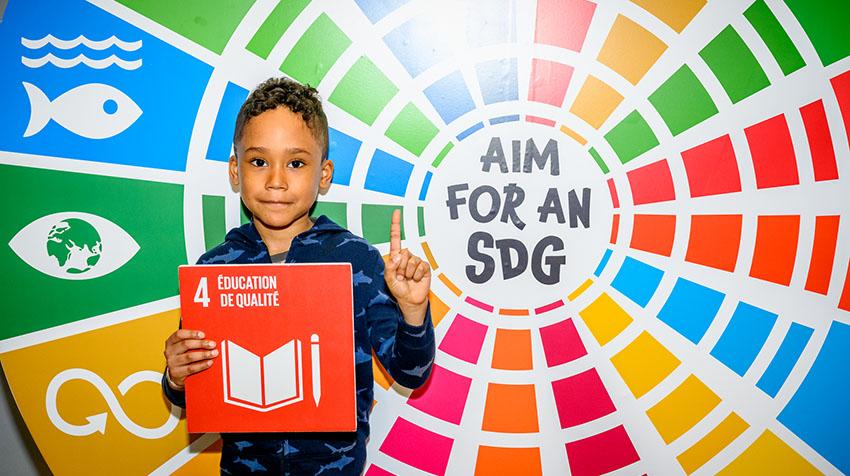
x=75, y=244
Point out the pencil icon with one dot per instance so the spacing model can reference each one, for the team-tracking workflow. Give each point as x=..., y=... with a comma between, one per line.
x=316, y=368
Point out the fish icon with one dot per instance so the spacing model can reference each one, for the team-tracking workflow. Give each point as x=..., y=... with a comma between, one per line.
x=93, y=111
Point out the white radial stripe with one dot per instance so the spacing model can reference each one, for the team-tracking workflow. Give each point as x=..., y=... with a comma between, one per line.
x=66, y=63
x=91, y=168
x=186, y=454
x=81, y=40
x=89, y=324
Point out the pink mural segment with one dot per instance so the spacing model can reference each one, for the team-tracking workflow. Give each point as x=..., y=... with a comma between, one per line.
x=464, y=339
x=581, y=398
x=443, y=396
x=423, y=449
x=561, y=343
x=563, y=23
x=601, y=453
x=549, y=81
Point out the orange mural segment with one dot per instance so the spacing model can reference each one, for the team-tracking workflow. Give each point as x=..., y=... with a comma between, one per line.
x=714, y=241
x=510, y=409
x=512, y=350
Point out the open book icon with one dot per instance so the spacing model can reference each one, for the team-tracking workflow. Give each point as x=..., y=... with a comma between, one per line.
x=262, y=384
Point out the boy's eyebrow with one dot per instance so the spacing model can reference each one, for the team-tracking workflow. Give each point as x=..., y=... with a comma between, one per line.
x=288, y=150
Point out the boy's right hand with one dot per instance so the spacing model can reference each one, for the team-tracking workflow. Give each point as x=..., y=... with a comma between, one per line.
x=186, y=353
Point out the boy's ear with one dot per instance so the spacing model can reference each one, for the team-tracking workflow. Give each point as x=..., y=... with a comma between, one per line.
x=233, y=171
x=327, y=176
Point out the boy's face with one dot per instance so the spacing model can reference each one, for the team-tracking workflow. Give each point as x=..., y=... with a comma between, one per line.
x=279, y=171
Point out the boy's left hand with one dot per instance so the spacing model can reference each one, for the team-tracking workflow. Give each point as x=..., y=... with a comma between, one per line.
x=408, y=277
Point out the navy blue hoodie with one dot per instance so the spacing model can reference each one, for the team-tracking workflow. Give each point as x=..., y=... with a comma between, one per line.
x=407, y=352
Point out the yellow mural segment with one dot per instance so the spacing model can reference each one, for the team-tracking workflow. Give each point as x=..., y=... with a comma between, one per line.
x=712, y=443
x=769, y=455
x=677, y=14
x=683, y=408
x=93, y=401
x=644, y=363
x=630, y=49
x=596, y=101
x=605, y=318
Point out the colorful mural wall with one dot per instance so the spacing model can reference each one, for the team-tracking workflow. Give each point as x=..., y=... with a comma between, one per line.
x=637, y=213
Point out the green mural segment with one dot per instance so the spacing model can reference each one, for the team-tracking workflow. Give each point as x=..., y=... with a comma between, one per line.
x=336, y=211
x=274, y=26
x=209, y=23
x=412, y=130
x=316, y=51
x=734, y=65
x=420, y=219
x=775, y=37
x=364, y=91
x=375, y=221
x=150, y=213
x=682, y=101
x=825, y=22
x=598, y=159
x=631, y=137
x=214, y=224
x=442, y=155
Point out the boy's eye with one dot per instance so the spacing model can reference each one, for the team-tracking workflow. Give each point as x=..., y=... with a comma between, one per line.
x=258, y=162
x=296, y=164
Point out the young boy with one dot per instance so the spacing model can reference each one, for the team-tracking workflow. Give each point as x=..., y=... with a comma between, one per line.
x=280, y=166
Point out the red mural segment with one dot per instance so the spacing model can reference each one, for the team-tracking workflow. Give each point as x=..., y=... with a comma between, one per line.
x=712, y=168
x=652, y=183
x=549, y=81
x=841, y=86
x=820, y=141
x=772, y=153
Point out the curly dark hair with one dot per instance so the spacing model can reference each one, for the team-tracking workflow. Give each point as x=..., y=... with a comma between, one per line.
x=284, y=92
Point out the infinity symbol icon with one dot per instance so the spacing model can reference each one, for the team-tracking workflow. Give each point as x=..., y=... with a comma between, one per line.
x=97, y=423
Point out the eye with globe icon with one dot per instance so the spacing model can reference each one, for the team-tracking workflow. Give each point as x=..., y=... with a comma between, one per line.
x=635, y=212
x=75, y=244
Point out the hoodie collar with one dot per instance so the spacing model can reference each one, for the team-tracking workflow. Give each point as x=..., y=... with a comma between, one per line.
x=248, y=235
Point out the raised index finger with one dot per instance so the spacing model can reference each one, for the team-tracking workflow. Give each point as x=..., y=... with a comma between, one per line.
x=395, y=232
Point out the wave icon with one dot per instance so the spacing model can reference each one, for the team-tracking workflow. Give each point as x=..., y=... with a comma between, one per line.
x=92, y=63
x=81, y=40
x=93, y=111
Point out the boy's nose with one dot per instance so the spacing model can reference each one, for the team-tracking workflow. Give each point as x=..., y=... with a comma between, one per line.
x=277, y=178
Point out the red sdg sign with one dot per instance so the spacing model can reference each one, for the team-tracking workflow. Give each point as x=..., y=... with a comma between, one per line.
x=286, y=347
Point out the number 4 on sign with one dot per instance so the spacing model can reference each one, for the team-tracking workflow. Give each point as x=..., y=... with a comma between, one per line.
x=201, y=294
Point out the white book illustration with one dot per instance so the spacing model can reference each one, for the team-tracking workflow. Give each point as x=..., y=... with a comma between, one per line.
x=262, y=383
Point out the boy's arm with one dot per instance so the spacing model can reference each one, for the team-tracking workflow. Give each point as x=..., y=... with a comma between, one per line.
x=175, y=397
x=405, y=350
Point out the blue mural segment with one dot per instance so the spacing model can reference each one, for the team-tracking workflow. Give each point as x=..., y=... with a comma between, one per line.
x=690, y=309
x=222, y=134
x=602, y=263
x=786, y=357
x=377, y=9
x=475, y=128
x=637, y=280
x=743, y=337
x=343, y=150
x=503, y=119
x=137, y=108
x=388, y=174
x=417, y=47
x=491, y=23
x=450, y=97
x=423, y=192
x=819, y=413
x=498, y=80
